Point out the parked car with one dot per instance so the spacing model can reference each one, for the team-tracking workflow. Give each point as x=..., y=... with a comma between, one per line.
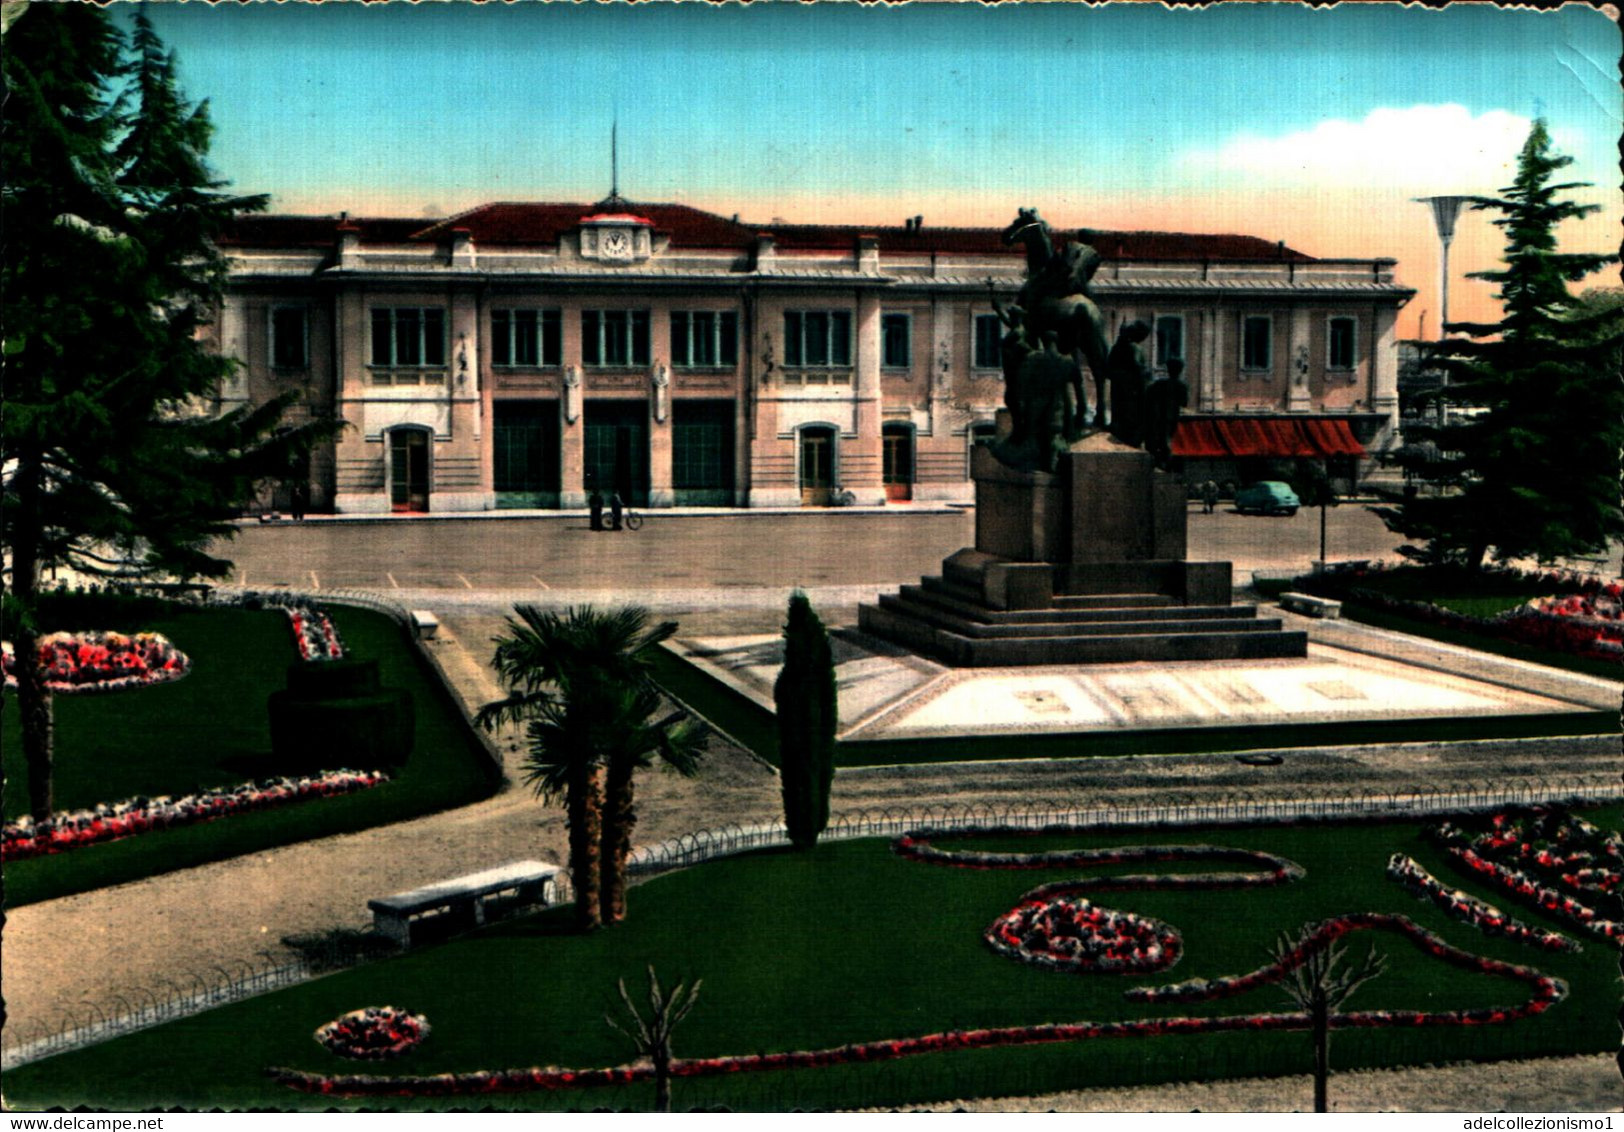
x=1270, y=497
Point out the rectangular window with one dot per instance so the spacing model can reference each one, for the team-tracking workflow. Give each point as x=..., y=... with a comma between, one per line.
x=408, y=336
x=1256, y=342
x=1169, y=339
x=989, y=339
x=614, y=338
x=704, y=338
x=896, y=341
x=1342, y=352
x=526, y=338
x=817, y=338
x=290, y=342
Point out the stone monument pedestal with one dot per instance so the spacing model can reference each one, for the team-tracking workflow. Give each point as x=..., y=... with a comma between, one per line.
x=1086, y=565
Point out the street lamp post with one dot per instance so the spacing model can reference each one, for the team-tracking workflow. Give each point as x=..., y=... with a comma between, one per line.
x=1444, y=212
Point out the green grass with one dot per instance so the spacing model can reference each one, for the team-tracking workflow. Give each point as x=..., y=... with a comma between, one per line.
x=1475, y=595
x=211, y=729
x=850, y=943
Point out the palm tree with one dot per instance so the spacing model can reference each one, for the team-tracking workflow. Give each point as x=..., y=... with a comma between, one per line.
x=579, y=681
x=634, y=737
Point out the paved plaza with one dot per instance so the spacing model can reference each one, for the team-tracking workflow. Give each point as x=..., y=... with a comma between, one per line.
x=539, y=552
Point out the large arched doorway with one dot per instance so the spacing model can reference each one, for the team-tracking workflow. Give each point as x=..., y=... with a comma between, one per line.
x=898, y=461
x=817, y=465
x=409, y=469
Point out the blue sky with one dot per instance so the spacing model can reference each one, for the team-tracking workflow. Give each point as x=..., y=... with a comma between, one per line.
x=1297, y=124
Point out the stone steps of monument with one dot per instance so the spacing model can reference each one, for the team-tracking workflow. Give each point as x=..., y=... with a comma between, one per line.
x=1259, y=640
x=1111, y=601
x=1172, y=621
x=971, y=595
x=968, y=607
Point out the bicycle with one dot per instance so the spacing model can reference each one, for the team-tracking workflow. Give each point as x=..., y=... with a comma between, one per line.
x=632, y=519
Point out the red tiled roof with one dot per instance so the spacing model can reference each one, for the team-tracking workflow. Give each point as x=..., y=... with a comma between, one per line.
x=542, y=223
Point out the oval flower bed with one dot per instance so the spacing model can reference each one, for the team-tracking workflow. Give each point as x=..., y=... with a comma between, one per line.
x=1544, y=992
x=1074, y=935
x=95, y=661
x=314, y=633
x=24, y=838
x=373, y=1033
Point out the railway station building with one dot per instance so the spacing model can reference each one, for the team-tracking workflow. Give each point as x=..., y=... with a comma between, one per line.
x=521, y=355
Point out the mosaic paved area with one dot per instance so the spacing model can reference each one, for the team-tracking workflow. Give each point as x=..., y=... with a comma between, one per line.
x=886, y=693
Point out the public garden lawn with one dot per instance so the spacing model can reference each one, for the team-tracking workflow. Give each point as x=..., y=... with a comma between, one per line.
x=754, y=727
x=1476, y=595
x=211, y=729
x=851, y=943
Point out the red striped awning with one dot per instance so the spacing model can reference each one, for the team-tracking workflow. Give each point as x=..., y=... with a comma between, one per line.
x=1265, y=436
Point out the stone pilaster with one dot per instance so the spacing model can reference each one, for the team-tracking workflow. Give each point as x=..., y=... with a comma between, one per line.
x=1299, y=361
x=860, y=469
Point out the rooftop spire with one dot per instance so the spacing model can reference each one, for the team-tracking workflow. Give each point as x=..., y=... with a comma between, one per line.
x=614, y=199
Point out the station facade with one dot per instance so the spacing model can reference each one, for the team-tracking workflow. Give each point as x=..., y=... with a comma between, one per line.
x=522, y=355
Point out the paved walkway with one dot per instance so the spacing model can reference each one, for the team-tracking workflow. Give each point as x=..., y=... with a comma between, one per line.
x=149, y=933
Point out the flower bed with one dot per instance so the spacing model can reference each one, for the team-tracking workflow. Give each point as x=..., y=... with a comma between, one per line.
x=1583, y=619
x=23, y=838
x=1053, y=927
x=1544, y=990
x=373, y=1033
x=314, y=634
x=1549, y=858
x=1469, y=909
x=95, y=661
x=1073, y=935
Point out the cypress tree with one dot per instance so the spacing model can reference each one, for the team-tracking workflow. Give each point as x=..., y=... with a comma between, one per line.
x=1530, y=451
x=807, y=710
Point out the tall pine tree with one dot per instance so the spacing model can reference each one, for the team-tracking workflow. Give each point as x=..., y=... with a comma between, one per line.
x=114, y=460
x=1528, y=451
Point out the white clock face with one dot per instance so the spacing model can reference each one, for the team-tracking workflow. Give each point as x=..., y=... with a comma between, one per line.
x=617, y=244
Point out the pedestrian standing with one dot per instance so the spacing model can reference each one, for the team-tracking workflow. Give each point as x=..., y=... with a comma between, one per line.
x=1209, y=497
x=615, y=509
x=594, y=503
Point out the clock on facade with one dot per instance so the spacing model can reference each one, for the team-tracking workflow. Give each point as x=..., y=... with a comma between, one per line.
x=616, y=244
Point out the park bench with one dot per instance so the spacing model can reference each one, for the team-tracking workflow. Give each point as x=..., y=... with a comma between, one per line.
x=460, y=904
x=424, y=623
x=1310, y=606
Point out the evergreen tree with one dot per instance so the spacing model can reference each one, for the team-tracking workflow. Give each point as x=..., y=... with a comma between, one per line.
x=807, y=710
x=1529, y=449
x=114, y=459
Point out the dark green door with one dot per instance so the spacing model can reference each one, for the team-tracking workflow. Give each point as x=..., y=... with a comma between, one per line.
x=616, y=456
x=525, y=455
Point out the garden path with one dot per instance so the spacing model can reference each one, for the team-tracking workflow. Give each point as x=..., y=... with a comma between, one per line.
x=99, y=945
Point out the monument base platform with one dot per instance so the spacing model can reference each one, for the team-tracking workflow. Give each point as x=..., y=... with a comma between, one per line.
x=1085, y=566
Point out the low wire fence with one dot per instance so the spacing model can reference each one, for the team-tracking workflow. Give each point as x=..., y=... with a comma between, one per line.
x=88, y=1023
x=1241, y=809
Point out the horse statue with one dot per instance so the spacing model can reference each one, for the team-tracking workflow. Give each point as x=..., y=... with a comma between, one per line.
x=1055, y=299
